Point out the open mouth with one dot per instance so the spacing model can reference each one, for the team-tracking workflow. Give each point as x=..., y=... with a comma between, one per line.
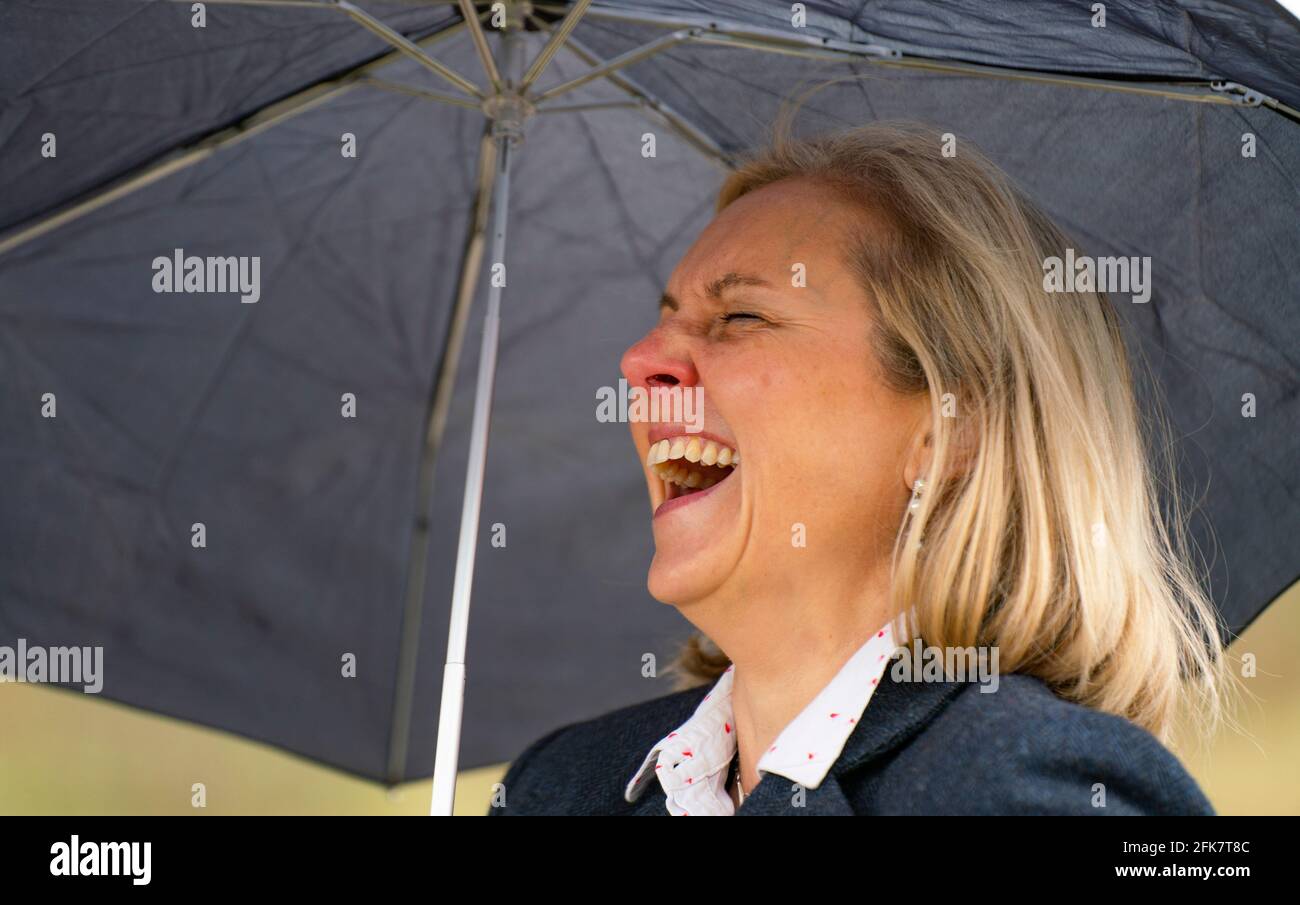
x=689, y=465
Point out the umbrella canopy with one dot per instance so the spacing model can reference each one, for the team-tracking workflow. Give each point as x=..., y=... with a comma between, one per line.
x=320, y=434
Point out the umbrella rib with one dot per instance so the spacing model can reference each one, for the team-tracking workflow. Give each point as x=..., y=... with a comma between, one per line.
x=713, y=31
x=648, y=103
x=481, y=45
x=595, y=105
x=552, y=47
x=642, y=99
x=198, y=151
x=413, y=91
x=1168, y=91
x=409, y=47
x=435, y=428
x=635, y=55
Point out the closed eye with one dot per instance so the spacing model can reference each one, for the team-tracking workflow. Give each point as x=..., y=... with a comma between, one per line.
x=739, y=315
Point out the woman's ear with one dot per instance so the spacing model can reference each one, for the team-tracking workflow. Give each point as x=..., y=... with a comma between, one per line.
x=963, y=444
x=917, y=464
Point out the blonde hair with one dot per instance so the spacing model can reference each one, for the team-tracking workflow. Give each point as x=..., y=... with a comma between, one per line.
x=1042, y=523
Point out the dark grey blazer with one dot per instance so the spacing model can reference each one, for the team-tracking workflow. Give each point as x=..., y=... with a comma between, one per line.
x=920, y=748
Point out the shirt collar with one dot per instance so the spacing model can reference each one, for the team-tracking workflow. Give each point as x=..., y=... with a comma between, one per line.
x=695, y=756
x=696, y=751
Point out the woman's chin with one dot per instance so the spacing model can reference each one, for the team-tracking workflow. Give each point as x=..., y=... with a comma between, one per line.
x=679, y=576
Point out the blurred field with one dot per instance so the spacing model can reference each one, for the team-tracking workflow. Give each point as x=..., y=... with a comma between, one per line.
x=65, y=753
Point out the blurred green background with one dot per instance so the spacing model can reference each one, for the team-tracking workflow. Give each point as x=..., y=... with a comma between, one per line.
x=68, y=753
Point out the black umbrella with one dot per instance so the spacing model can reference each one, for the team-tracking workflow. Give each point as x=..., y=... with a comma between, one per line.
x=248, y=490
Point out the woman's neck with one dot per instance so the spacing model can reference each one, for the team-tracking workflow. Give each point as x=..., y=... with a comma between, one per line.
x=786, y=649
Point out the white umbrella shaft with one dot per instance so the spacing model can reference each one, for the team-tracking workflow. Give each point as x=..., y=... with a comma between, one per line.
x=447, y=755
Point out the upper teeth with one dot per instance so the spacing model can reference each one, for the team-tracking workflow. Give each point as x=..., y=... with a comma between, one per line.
x=692, y=450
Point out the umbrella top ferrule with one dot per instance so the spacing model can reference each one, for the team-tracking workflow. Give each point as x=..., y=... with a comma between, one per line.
x=508, y=111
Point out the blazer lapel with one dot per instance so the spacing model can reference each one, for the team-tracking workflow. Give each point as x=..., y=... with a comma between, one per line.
x=897, y=712
x=777, y=796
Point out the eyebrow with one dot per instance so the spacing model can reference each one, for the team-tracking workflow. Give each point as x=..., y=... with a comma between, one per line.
x=715, y=288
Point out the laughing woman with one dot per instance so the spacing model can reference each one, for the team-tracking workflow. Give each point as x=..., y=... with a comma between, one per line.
x=908, y=442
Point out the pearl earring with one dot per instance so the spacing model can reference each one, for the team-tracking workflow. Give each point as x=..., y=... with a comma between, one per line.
x=917, y=487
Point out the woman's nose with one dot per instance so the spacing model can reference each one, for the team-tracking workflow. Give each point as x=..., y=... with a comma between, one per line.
x=656, y=361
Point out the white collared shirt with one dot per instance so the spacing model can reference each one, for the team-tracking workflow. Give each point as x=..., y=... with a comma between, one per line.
x=693, y=761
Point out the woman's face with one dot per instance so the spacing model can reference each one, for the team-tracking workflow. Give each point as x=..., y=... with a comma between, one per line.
x=789, y=384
